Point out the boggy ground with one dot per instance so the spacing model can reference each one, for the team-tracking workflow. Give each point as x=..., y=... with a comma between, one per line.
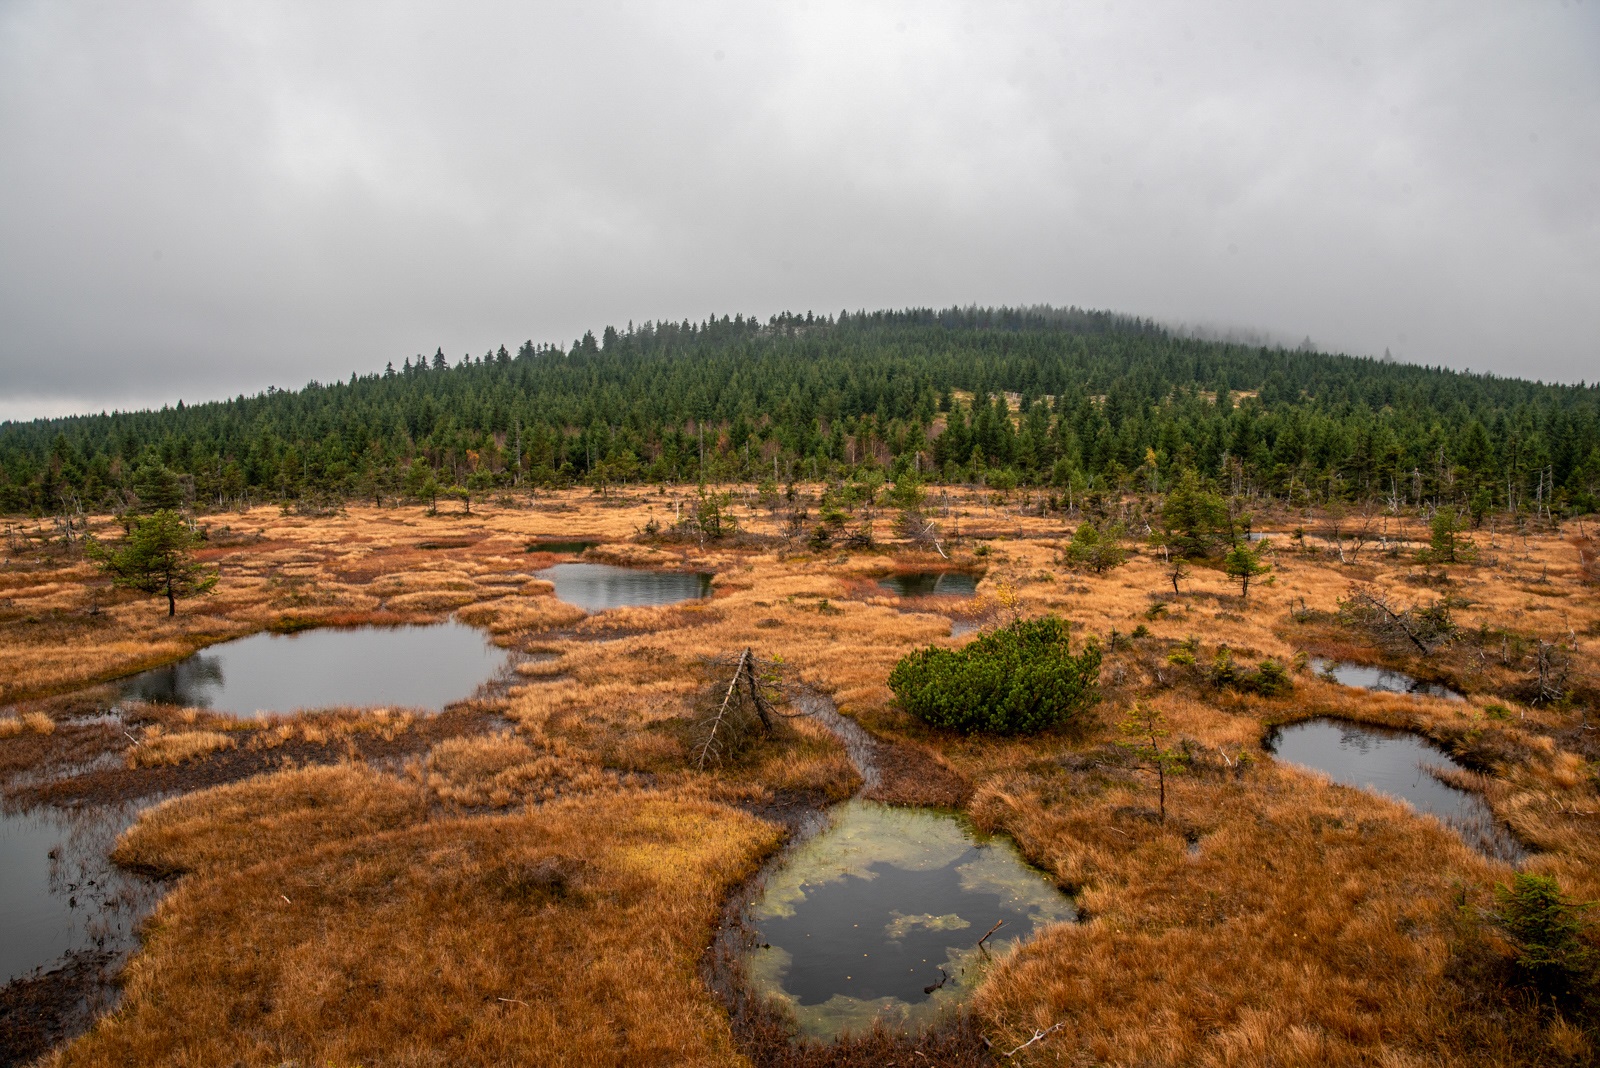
x=535, y=875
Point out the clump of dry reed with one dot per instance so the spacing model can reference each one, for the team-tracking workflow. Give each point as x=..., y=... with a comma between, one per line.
x=158, y=748
x=36, y=722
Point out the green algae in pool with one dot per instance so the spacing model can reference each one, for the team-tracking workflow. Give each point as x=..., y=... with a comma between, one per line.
x=879, y=918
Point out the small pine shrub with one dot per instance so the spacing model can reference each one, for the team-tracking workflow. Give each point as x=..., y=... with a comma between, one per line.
x=1271, y=679
x=1548, y=932
x=1018, y=679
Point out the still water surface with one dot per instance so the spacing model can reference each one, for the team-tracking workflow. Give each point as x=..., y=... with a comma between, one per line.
x=1382, y=679
x=1394, y=763
x=424, y=667
x=596, y=587
x=572, y=548
x=862, y=920
x=59, y=893
x=931, y=584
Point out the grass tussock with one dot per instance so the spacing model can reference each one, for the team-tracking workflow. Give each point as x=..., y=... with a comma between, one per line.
x=568, y=935
x=28, y=722
x=499, y=770
x=158, y=748
x=267, y=818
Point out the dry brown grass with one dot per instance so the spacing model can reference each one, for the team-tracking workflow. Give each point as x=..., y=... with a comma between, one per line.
x=1316, y=924
x=158, y=747
x=264, y=819
x=36, y=722
x=565, y=936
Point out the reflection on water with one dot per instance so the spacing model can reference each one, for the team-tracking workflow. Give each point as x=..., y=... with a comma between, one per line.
x=596, y=587
x=573, y=548
x=1382, y=679
x=1394, y=763
x=423, y=667
x=879, y=917
x=59, y=893
x=931, y=583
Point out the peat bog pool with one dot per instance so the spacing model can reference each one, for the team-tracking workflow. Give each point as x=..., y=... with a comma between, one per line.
x=426, y=667
x=59, y=892
x=879, y=917
x=931, y=584
x=1365, y=677
x=1395, y=764
x=597, y=587
x=563, y=548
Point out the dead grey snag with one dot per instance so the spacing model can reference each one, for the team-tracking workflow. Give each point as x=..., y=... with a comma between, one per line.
x=743, y=710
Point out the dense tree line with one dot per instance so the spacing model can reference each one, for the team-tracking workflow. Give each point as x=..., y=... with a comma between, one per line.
x=1071, y=399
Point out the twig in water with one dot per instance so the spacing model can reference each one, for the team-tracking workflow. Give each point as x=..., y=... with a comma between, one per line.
x=944, y=977
x=997, y=925
x=1037, y=1035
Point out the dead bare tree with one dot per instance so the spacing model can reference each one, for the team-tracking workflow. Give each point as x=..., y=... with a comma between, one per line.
x=921, y=531
x=732, y=715
x=1426, y=627
x=1551, y=670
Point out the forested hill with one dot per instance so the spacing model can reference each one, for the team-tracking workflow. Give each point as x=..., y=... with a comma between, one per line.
x=1035, y=396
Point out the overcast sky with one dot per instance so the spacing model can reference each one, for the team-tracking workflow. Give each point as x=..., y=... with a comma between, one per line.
x=201, y=199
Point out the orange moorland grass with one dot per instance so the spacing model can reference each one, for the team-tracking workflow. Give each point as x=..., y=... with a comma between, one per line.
x=157, y=747
x=567, y=935
x=1315, y=923
x=233, y=827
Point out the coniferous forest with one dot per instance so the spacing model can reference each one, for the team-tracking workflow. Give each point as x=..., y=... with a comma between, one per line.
x=1073, y=400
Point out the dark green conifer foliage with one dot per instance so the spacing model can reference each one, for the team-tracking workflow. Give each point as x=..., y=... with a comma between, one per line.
x=1085, y=402
x=1548, y=932
x=1018, y=679
x=1194, y=518
x=1243, y=563
x=157, y=556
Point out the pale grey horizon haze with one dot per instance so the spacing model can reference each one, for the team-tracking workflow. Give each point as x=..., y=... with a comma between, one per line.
x=204, y=199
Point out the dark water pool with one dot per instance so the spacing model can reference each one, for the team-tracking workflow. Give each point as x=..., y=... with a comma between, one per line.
x=862, y=920
x=424, y=667
x=59, y=893
x=1394, y=763
x=1382, y=679
x=573, y=548
x=931, y=584
x=596, y=587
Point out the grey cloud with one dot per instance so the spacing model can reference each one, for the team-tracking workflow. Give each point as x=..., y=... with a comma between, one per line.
x=203, y=199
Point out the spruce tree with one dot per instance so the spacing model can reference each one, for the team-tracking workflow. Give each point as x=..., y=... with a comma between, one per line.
x=157, y=556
